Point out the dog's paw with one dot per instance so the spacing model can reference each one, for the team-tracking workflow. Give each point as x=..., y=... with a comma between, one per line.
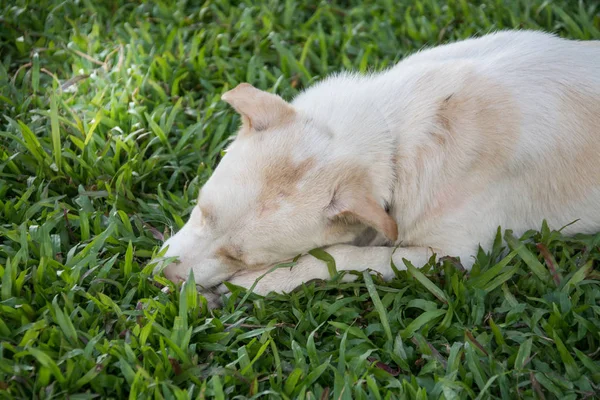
x=280, y=280
x=271, y=282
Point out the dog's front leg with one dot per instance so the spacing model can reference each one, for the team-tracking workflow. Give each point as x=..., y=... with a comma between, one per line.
x=347, y=258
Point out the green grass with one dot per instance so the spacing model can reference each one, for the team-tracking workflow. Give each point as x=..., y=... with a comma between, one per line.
x=110, y=121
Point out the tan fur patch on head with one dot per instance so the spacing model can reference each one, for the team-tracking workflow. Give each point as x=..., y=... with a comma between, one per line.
x=207, y=214
x=280, y=180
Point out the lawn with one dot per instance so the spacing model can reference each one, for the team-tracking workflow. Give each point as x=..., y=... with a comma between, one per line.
x=110, y=122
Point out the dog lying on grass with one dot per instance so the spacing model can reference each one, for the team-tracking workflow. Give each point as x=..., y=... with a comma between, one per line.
x=430, y=156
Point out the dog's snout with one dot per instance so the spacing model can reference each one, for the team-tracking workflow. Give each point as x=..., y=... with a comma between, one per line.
x=192, y=252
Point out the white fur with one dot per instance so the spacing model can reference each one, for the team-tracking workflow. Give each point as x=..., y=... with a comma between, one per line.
x=384, y=123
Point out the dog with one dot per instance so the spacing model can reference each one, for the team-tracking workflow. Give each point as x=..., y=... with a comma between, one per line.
x=429, y=156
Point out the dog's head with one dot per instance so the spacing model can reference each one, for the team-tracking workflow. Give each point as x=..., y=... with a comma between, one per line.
x=276, y=193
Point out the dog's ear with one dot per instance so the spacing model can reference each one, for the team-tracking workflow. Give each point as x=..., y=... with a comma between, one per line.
x=362, y=207
x=259, y=110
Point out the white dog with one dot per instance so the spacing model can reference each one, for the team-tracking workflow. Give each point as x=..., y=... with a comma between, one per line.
x=431, y=155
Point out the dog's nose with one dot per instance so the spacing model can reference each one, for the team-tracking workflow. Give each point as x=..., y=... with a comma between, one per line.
x=171, y=273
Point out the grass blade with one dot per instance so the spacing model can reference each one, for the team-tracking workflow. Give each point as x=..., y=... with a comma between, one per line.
x=532, y=262
x=423, y=280
x=378, y=305
x=56, y=142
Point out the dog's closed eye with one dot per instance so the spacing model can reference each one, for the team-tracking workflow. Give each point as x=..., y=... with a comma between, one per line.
x=234, y=259
x=232, y=254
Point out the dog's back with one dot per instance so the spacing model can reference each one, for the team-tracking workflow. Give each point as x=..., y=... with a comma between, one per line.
x=502, y=130
x=522, y=132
